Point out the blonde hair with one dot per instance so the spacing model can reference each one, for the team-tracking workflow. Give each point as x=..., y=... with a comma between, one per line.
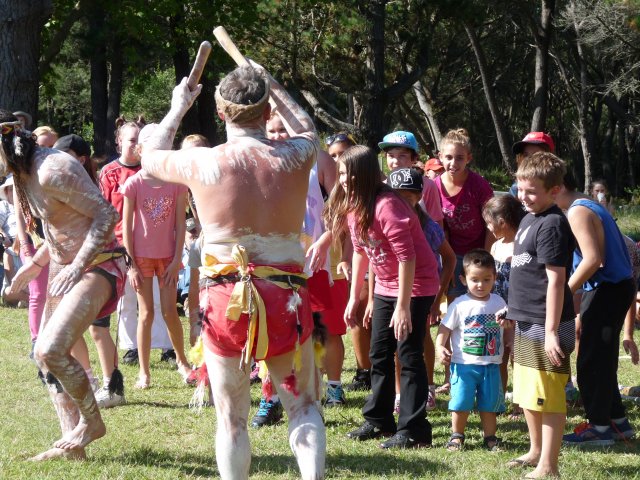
x=544, y=166
x=458, y=136
x=44, y=130
x=195, y=140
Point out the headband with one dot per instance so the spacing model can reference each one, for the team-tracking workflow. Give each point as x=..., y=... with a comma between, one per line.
x=237, y=112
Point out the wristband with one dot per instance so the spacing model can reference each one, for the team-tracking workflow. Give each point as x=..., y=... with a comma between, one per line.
x=36, y=263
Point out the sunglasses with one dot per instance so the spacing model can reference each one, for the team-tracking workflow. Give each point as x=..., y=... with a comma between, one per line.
x=339, y=137
x=8, y=127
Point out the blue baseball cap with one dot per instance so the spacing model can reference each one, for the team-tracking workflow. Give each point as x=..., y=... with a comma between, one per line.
x=399, y=139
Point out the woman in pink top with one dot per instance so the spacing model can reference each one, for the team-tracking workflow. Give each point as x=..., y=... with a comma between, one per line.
x=153, y=233
x=386, y=233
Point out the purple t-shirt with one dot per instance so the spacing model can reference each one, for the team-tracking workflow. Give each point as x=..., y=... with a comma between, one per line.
x=396, y=236
x=154, y=217
x=463, y=213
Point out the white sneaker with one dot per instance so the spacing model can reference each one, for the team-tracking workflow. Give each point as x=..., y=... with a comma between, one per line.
x=108, y=400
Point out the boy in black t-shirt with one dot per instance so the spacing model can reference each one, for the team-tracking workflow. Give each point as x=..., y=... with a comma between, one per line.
x=541, y=304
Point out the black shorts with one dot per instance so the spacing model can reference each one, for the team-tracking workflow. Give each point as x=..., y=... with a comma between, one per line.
x=102, y=322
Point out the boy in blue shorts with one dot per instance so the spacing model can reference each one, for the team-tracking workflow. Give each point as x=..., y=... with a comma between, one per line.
x=474, y=323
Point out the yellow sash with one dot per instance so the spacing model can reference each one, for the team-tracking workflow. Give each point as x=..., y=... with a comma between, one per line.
x=245, y=296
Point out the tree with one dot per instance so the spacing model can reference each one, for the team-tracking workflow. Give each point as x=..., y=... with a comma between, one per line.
x=21, y=24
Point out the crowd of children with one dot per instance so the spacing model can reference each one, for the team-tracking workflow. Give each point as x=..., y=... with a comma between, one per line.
x=508, y=267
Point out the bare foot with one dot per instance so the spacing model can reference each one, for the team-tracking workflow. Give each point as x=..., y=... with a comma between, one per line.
x=73, y=454
x=143, y=382
x=540, y=473
x=184, y=371
x=81, y=436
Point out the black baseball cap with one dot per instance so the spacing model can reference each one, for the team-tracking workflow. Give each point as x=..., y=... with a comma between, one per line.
x=406, y=179
x=73, y=142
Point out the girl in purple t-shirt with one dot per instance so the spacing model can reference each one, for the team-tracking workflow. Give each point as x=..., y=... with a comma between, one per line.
x=153, y=234
x=386, y=233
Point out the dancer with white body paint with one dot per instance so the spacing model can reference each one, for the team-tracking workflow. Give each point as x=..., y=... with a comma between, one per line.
x=86, y=273
x=250, y=193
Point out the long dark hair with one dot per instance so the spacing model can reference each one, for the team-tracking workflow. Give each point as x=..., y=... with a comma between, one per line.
x=364, y=184
x=18, y=148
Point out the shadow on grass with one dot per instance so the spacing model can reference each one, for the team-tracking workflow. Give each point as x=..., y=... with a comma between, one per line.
x=357, y=465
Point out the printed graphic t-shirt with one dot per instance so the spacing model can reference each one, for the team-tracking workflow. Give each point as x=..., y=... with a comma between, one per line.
x=154, y=221
x=476, y=336
x=542, y=239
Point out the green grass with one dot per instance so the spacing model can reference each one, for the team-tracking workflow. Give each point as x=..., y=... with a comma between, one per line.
x=155, y=436
x=628, y=219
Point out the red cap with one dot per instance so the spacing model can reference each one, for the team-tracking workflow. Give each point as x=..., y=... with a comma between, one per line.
x=433, y=164
x=535, y=138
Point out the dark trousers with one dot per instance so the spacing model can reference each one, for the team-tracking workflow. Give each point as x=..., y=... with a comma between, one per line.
x=602, y=314
x=413, y=380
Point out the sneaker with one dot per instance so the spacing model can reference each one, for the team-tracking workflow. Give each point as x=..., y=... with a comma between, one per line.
x=168, y=356
x=108, y=400
x=586, y=434
x=335, y=396
x=130, y=357
x=268, y=413
x=361, y=381
x=404, y=440
x=396, y=406
x=254, y=376
x=431, y=398
x=622, y=431
x=367, y=431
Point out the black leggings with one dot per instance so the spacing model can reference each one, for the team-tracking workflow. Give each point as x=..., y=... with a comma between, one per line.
x=602, y=314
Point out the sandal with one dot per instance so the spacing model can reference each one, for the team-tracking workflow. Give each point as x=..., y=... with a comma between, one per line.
x=454, y=446
x=492, y=443
x=444, y=389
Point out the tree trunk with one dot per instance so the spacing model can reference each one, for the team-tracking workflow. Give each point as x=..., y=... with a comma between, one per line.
x=99, y=80
x=543, y=39
x=114, y=95
x=20, y=27
x=426, y=106
x=374, y=119
x=498, y=122
x=417, y=127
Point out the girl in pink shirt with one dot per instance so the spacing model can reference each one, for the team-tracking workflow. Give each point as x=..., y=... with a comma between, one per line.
x=153, y=233
x=386, y=233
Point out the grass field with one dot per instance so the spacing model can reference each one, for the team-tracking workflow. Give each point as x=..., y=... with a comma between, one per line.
x=155, y=436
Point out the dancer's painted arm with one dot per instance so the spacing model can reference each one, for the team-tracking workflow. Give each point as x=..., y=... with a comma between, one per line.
x=68, y=183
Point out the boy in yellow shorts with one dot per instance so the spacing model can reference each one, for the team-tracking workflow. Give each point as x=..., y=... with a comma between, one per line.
x=541, y=304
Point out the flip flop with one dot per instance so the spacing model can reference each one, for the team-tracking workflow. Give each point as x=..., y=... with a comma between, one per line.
x=519, y=462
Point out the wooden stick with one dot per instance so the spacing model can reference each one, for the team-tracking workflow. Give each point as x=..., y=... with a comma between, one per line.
x=198, y=65
x=225, y=42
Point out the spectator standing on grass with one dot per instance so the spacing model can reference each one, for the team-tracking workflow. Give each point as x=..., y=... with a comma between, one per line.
x=602, y=267
x=386, y=232
x=153, y=233
x=474, y=326
x=462, y=195
x=540, y=302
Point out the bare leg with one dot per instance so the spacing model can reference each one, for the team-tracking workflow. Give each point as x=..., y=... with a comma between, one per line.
x=106, y=349
x=534, y=425
x=459, y=421
x=145, y=320
x=73, y=398
x=552, y=426
x=81, y=353
x=489, y=424
x=307, y=436
x=174, y=327
x=334, y=358
x=230, y=386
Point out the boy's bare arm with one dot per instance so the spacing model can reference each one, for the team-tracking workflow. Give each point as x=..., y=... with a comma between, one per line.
x=441, y=341
x=556, y=277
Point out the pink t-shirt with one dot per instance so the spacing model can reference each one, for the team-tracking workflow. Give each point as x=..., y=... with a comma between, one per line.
x=463, y=213
x=154, y=218
x=396, y=236
x=431, y=199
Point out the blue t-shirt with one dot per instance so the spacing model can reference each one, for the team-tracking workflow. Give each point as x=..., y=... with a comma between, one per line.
x=617, y=264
